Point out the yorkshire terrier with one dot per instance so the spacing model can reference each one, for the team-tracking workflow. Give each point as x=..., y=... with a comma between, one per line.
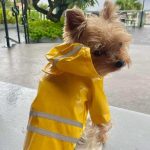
x=108, y=41
x=59, y=111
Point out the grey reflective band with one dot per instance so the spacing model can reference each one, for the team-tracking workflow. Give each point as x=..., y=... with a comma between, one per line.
x=70, y=53
x=56, y=118
x=52, y=134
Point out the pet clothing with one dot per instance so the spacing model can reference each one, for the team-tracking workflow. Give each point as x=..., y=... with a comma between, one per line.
x=71, y=88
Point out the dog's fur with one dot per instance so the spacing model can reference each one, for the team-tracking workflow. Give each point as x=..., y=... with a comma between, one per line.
x=105, y=34
x=108, y=41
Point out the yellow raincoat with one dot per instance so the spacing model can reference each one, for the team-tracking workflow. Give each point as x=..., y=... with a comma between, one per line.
x=72, y=87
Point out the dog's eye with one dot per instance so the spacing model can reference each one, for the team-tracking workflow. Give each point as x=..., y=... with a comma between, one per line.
x=99, y=53
x=120, y=44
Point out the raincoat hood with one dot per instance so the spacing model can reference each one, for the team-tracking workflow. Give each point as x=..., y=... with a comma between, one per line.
x=73, y=58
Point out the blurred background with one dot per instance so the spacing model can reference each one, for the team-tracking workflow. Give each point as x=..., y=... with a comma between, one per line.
x=42, y=20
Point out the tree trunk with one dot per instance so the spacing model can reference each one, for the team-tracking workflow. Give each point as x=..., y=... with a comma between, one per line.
x=59, y=5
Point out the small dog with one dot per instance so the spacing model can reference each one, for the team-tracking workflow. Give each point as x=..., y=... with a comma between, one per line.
x=105, y=35
x=109, y=42
x=95, y=46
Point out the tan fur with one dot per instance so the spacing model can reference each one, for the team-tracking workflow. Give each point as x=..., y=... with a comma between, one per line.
x=93, y=137
x=106, y=34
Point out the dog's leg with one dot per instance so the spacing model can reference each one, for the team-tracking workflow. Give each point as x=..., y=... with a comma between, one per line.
x=93, y=137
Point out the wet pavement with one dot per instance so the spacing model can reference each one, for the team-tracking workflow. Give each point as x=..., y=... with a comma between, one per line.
x=14, y=109
x=22, y=63
x=13, y=35
x=140, y=36
x=127, y=89
x=15, y=103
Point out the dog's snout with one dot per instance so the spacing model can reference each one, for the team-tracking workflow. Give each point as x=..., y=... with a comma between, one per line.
x=120, y=64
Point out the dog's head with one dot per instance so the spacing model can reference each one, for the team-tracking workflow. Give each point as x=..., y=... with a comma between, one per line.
x=104, y=34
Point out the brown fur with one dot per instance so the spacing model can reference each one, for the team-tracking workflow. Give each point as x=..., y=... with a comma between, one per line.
x=104, y=33
x=107, y=35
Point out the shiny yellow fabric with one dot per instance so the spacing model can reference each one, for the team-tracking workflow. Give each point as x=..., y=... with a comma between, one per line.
x=71, y=88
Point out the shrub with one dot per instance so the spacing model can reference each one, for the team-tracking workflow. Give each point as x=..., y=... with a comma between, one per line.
x=45, y=28
x=10, y=18
x=33, y=15
x=1, y=16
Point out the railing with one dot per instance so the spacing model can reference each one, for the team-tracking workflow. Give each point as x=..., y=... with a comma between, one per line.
x=147, y=17
x=17, y=15
x=131, y=18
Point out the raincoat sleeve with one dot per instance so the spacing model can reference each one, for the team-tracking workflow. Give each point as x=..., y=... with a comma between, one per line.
x=99, y=108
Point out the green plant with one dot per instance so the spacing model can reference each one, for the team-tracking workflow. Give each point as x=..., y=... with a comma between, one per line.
x=57, y=7
x=10, y=18
x=44, y=6
x=1, y=16
x=45, y=28
x=129, y=4
x=33, y=15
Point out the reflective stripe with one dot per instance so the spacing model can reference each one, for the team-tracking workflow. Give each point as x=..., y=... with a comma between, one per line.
x=70, y=53
x=52, y=134
x=56, y=118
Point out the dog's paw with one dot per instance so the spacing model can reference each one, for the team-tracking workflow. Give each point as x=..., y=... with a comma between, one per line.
x=103, y=129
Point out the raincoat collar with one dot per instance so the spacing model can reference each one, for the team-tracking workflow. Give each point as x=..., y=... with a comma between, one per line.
x=74, y=58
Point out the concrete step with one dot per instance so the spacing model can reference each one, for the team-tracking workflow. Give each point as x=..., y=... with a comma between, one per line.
x=131, y=130
x=4, y=44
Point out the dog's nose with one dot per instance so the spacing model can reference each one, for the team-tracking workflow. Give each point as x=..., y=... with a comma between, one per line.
x=120, y=64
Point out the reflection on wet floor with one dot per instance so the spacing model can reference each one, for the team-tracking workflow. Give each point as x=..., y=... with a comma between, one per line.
x=12, y=34
x=140, y=35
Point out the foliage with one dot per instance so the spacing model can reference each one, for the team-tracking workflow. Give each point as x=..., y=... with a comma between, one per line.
x=82, y=3
x=57, y=7
x=33, y=15
x=45, y=28
x=1, y=16
x=129, y=4
x=10, y=18
x=8, y=3
x=44, y=6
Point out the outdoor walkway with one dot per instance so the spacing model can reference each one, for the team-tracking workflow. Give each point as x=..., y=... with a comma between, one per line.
x=141, y=36
x=12, y=34
x=131, y=130
x=127, y=89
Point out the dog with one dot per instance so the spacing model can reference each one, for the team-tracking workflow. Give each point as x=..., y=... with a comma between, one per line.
x=109, y=43
x=73, y=84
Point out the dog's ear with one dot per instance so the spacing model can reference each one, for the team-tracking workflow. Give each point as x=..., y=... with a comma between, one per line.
x=109, y=11
x=74, y=18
